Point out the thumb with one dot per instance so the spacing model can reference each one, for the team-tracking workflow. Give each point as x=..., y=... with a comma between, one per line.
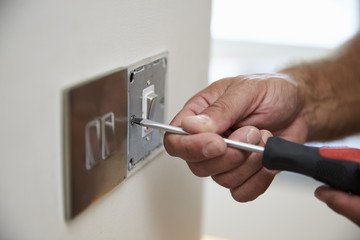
x=229, y=109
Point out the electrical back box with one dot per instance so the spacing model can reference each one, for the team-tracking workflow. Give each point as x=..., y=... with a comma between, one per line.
x=101, y=146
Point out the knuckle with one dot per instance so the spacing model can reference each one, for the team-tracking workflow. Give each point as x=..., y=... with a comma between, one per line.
x=198, y=170
x=243, y=196
x=238, y=196
x=250, y=193
x=188, y=150
x=187, y=147
x=183, y=147
x=236, y=159
x=221, y=106
x=169, y=146
x=226, y=181
x=256, y=161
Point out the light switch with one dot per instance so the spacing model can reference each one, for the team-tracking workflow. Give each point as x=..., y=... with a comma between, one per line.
x=146, y=100
x=101, y=147
x=92, y=144
x=108, y=135
x=149, y=98
x=99, y=140
x=95, y=139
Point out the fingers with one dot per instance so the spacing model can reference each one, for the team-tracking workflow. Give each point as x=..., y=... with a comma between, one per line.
x=250, y=166
x=198, y=123
x=207, y=153
x=201, y=101
x=231, y=159
x=220, y=110
x=253, y=187
x=195, y=148
x=341, y=202
x=250, y=179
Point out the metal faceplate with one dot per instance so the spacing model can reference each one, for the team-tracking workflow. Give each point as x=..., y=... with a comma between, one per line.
x=146, y=84
x=95, y=139
x=101, y=146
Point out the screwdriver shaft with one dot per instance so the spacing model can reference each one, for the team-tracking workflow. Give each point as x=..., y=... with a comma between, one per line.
x=177, y=130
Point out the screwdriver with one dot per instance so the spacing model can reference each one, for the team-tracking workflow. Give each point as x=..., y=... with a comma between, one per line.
x=336, y=167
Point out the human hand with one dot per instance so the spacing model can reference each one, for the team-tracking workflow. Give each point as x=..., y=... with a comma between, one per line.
x=341, y=202
x=227, y=108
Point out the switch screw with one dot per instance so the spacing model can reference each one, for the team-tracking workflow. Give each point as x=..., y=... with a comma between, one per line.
x=132, y=119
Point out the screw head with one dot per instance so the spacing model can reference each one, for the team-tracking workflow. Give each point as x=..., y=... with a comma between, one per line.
x=132, y=119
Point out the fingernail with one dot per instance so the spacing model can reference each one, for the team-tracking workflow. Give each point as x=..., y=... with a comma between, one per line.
x=199, y=123
x=253, y=136
x=265, y=136
x=212, y=149
x=318, y=195
x=201, y=118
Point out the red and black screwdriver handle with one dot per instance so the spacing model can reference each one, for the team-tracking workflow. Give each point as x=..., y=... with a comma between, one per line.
x=337, y=167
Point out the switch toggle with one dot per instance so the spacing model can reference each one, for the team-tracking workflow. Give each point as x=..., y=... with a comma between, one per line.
x=108, y=135
x=149, y=101
x=92, y=144
x=99, y=140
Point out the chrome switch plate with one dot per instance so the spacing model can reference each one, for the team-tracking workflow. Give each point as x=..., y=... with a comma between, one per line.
x=95, y=139
x=146, y=100
x=101, y=146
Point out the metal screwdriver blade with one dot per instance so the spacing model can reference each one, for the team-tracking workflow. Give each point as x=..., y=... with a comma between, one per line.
x=177, y=130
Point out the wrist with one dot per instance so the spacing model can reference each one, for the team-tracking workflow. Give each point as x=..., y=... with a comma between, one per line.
x=309, y=106
x=330, y=99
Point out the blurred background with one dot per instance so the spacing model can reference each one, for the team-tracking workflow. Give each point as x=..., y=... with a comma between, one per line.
x=264, y=36
x=47, y=46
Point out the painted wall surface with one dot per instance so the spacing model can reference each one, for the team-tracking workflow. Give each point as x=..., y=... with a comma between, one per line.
x=46, y=46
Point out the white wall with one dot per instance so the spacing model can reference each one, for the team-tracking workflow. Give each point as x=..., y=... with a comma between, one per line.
x=48, y=45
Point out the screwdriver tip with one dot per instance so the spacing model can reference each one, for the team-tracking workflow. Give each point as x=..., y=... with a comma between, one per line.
x=136, y=121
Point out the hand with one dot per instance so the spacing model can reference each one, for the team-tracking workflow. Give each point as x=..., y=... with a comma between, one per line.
x=341, y=202
x=227, y=108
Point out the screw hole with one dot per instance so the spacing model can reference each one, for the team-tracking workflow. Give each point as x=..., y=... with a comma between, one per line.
x=131, y=163
x=132, y=76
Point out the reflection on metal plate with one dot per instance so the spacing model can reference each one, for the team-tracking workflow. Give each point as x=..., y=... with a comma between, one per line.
x=95, y=139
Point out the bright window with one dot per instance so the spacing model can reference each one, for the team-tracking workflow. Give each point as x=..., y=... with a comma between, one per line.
x=322, y=23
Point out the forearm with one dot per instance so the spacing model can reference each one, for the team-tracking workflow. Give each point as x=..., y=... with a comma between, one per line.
x=330, y=91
